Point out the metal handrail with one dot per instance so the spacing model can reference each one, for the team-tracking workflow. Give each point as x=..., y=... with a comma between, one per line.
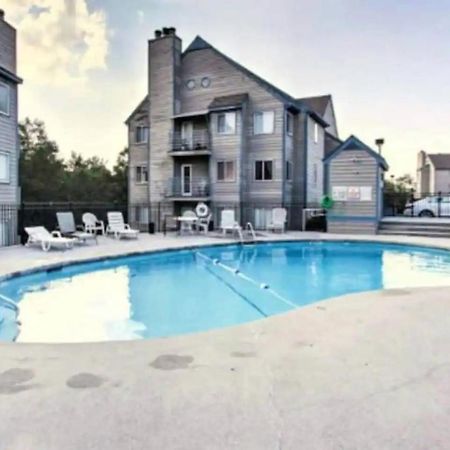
x=8, y=303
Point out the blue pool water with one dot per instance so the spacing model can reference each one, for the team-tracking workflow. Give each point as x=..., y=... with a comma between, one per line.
x=186, y=291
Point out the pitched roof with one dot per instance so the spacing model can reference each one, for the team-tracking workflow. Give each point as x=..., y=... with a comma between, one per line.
x=136, y=110
x=318, y=104
x=200, y=44
x=10, y=76
x=228, y=101
x=440, y=161
x=353, y=143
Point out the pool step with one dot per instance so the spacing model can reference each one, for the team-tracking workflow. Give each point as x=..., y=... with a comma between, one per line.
x=412, y=228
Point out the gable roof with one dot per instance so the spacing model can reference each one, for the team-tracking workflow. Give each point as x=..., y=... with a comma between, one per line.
x=440, y=161
x=353, y=143
x=200, y=44
x=136, y=110
x=228, y=101
x=318, y=103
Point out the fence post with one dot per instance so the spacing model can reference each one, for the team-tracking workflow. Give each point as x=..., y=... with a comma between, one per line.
x=439, y=200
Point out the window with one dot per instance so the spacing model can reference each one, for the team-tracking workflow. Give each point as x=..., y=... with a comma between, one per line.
x=315, y=174
x=225, y=171
x=190, y=84
x=288, y=170
x=141, y=135
x=4, y=99
x=316, y=133
x=206, y=82
x=4, y=168
x=290, y=124
x=141, y=174
x=263, y=170
x=263, y=122
x=226, y=123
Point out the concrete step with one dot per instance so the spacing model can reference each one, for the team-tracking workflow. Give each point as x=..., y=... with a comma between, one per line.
x=402, y=232
x=424, y=228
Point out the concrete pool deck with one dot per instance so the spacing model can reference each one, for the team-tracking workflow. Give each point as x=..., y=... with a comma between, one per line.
x=368, y=370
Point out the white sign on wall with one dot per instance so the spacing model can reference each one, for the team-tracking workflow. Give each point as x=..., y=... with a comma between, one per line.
x=352, y=193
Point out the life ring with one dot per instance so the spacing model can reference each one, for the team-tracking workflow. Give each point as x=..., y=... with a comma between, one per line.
x=327, y=202
x=201, y=210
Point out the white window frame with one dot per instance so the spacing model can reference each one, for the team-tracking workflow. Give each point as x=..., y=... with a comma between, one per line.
x=6, y=180
x=316, y=132
x=136, y=134
x=225, y=115
x=289, y=121
x=225, y=179
x=8, y=99
x=257, y=113
x=136, y=171
x=264, y=161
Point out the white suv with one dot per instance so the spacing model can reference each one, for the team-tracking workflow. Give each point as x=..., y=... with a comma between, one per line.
x=433, y=206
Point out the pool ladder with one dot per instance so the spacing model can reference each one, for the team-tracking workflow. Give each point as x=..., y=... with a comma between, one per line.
x=248, y=234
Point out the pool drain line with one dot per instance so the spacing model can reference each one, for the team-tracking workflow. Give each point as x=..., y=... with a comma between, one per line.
x=245, y=277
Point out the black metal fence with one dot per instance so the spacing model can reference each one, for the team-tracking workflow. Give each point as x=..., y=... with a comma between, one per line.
x=413, y=204
x=154, y=217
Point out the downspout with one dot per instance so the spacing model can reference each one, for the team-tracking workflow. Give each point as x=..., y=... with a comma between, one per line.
x=283, y=158
x=305, y=171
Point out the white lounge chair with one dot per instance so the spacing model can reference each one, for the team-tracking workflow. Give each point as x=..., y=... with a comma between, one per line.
x=228, y=222
x=118, y=227
x=47, y=240
x=67, y=227
x=278, y=221
x=92, y=224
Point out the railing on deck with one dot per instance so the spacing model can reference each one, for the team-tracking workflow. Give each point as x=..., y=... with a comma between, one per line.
x=198, y=141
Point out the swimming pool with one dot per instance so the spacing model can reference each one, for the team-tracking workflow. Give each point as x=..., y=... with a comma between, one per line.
x=186, y=291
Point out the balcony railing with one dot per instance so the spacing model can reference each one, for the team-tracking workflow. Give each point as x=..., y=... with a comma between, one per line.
x=188, y=187
x=198, y=141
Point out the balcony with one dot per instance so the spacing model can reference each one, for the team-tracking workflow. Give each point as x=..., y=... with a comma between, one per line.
x=195, y=143
x=188, y=189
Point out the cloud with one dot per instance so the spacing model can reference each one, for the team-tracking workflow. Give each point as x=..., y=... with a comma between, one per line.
x=141, y=16
x=60, y=41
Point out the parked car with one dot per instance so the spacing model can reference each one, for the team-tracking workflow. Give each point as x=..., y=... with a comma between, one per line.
x=433, y=206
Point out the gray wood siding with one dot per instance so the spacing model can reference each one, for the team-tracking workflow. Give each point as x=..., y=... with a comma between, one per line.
x=354, y=168
x=7, y=46
x=226, y=147
x=353, y=227
x=314, y=170
x=298, y=184
x=9, y=192
x=330, y=118
x=138, y=156
x=226, y=79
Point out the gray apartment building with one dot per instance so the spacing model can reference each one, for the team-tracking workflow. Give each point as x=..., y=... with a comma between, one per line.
x=9, y=138
x=210, y=130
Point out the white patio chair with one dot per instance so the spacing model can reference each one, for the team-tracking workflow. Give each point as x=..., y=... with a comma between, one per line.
x=118, y=228
x=67, y=227
x=187, y=222
x=278, y=221
x=228, y=222
x=92, y=224
x=47, y=240
x=203, y=223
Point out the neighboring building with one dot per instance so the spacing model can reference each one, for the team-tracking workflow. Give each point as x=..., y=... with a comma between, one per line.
x=9, y=139
x=210, y=130
x=433, y=173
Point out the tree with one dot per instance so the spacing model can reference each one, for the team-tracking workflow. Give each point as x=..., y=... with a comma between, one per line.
x=397, y=193
x=41, y=168
x=46, y=177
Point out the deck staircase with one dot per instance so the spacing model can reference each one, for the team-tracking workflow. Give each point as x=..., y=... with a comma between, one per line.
x=415, y=226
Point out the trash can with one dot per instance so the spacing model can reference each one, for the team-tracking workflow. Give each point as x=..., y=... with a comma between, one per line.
x=151, y=227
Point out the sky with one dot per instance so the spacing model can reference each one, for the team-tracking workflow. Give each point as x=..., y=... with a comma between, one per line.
x=386, y=63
